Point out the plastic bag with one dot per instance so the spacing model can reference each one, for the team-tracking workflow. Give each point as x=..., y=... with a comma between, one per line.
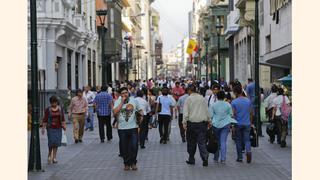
x=64, y=140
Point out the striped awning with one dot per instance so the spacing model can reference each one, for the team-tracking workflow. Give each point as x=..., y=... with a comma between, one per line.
x=276, y=5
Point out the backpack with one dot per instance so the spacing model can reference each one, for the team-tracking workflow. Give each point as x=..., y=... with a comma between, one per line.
x=285, y=110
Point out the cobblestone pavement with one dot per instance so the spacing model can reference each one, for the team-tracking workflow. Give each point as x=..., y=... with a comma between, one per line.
x=95, y=160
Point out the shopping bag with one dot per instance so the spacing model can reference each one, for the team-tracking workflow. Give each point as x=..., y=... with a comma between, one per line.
x=64, y=140
x=253, y=137
x=212, y=141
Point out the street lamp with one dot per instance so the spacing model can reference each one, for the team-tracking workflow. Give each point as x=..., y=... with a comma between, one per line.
x=219, y=26
x=34, y=153
x=206, y=41
x=256, y=72
x=102, y=16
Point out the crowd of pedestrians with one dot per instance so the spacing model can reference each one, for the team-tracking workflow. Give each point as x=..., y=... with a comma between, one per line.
x=199, y=107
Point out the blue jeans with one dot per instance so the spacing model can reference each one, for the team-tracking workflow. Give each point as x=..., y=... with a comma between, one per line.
x=222, y=135
x=129, y=145
x=242, y=137
x=91, y=117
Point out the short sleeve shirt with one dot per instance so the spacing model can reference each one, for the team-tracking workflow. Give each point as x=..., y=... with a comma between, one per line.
x=277, y=103
x=242, y=106
x=166, y=102
x=127, y=115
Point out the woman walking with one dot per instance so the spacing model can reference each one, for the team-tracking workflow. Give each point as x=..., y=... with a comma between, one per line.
x=221, y=113
x=165, y=114
x=53, y=121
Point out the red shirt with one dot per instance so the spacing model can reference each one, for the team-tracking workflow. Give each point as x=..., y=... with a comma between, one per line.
x=177, y=92
x=57, y=118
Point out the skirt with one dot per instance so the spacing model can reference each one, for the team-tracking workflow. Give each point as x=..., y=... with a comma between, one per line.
x=54, y=137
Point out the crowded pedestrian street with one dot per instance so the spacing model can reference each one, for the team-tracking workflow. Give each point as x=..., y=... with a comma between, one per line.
x=95, y=160
x=137, y=89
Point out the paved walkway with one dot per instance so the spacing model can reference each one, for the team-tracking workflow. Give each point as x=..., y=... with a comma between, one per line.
x=95, y=160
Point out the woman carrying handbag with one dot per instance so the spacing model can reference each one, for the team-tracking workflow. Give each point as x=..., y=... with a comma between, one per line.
x=54, y=122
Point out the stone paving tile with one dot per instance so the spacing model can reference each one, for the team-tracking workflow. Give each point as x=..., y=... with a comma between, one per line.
x=95, y=160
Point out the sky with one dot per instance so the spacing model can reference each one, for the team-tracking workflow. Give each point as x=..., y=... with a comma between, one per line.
x=173, y=21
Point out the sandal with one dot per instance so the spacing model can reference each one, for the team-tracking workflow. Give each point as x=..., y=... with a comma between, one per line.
x=50, y=160
x=54, y=160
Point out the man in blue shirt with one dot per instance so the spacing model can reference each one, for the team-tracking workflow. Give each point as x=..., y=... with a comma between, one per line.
x=242, y=110
x=103, y=103
x=250, y=90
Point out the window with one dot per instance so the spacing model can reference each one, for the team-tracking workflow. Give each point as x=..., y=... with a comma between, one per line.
x=89, y=66
x=261, y=13
x=79, y=7
x=231, y=4
x=94, y=67
x=268, y=44
x=77, y=70
x=90, y=22
x=69, y=68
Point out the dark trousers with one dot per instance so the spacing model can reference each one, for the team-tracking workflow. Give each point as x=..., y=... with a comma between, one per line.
x=143, y=130
x=281, y=129
x=105, y=120
x=196, y=134
x=120, y=150
x=129, y=145
x=164, y=121
x=182, y=131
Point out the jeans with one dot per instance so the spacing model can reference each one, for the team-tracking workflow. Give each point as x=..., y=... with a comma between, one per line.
x=90, y=116
x=164, y=121
x=222, y=135
x=196, y=134
x=242, y=137
x=143, y=130
x=105, y=120
x=129, y=145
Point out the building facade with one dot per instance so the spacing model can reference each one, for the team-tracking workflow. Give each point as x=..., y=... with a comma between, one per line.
x=67, y=45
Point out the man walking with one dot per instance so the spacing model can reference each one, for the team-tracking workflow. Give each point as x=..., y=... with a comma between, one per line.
x=89, y=95
x=180, y=105
x=144, y=124
x=126, y=108
x=250, y=91
x=78, y=109
x=242, y=110
x=196, y=120
x=103, y=102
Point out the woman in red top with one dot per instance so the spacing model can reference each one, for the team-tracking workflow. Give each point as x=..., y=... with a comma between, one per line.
x=53, y=121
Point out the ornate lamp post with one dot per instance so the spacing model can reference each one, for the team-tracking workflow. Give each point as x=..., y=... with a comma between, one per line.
x=219, y=26
x=206, y=41
x=102, y=16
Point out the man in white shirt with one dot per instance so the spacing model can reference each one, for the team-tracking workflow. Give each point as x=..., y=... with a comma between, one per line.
x=268, y=102
x=145, y=106
x=180, y=105
x=89, y=96
x=281, y=125
x=212, y=98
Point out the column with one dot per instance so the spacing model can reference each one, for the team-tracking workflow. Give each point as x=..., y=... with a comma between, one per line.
x=73, y=70
x=85, y=69
x=80, y=67
x=63, y=70
x=51, y=74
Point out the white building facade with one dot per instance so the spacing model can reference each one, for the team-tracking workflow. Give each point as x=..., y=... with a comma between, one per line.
x=67, y=45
